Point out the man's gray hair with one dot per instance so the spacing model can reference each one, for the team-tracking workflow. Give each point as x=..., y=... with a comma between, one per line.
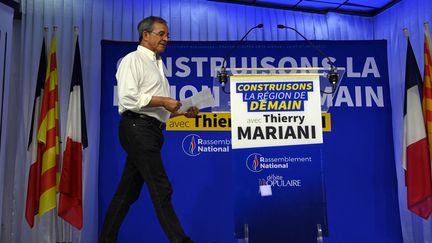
x=146, y=25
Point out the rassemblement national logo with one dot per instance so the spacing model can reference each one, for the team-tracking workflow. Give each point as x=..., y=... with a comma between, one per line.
x=194, y=145
x=256, y=162
x=253, y=162
x=189, y=145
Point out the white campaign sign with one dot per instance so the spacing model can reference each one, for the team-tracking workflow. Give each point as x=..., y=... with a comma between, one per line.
x=275, y=110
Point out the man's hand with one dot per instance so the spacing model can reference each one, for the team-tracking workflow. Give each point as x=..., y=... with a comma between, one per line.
x=191, y=112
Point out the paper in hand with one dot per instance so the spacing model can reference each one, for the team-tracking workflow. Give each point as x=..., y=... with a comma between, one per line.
x=200, y=100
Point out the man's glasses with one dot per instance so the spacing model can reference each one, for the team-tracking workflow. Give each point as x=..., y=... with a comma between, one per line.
x=161, y=34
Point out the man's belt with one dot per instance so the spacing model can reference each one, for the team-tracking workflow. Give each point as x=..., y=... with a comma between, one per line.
x=153, y=120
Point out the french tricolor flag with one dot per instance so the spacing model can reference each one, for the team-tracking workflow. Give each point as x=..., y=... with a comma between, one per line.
x=33, y=188
x=416, y=162
x=70, y=205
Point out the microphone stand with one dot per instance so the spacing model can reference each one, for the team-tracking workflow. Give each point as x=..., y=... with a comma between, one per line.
x=332, y=75
x=222, y=74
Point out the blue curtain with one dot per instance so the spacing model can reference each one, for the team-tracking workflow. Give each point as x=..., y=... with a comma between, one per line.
x=389, y=25
x=189, y=20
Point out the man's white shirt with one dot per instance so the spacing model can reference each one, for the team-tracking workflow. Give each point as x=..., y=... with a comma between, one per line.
x=140, y=76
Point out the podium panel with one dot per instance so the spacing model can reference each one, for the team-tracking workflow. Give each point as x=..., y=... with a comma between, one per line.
x=276, y=138
x=297, y=202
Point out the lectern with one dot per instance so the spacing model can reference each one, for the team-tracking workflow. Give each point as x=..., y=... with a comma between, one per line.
x=277, y=125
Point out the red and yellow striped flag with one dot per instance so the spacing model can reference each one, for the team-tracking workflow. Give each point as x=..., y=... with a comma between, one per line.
x=427, y=86
x=48, y=135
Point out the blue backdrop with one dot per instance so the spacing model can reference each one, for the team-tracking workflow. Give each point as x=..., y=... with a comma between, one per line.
x=357, y=158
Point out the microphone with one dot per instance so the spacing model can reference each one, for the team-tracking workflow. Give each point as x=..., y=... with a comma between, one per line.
x=222, y=75
x=332, y=75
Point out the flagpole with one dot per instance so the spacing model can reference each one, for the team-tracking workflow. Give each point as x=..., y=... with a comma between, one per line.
x=55, y=28
x=55, y=218
x=45, y=36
